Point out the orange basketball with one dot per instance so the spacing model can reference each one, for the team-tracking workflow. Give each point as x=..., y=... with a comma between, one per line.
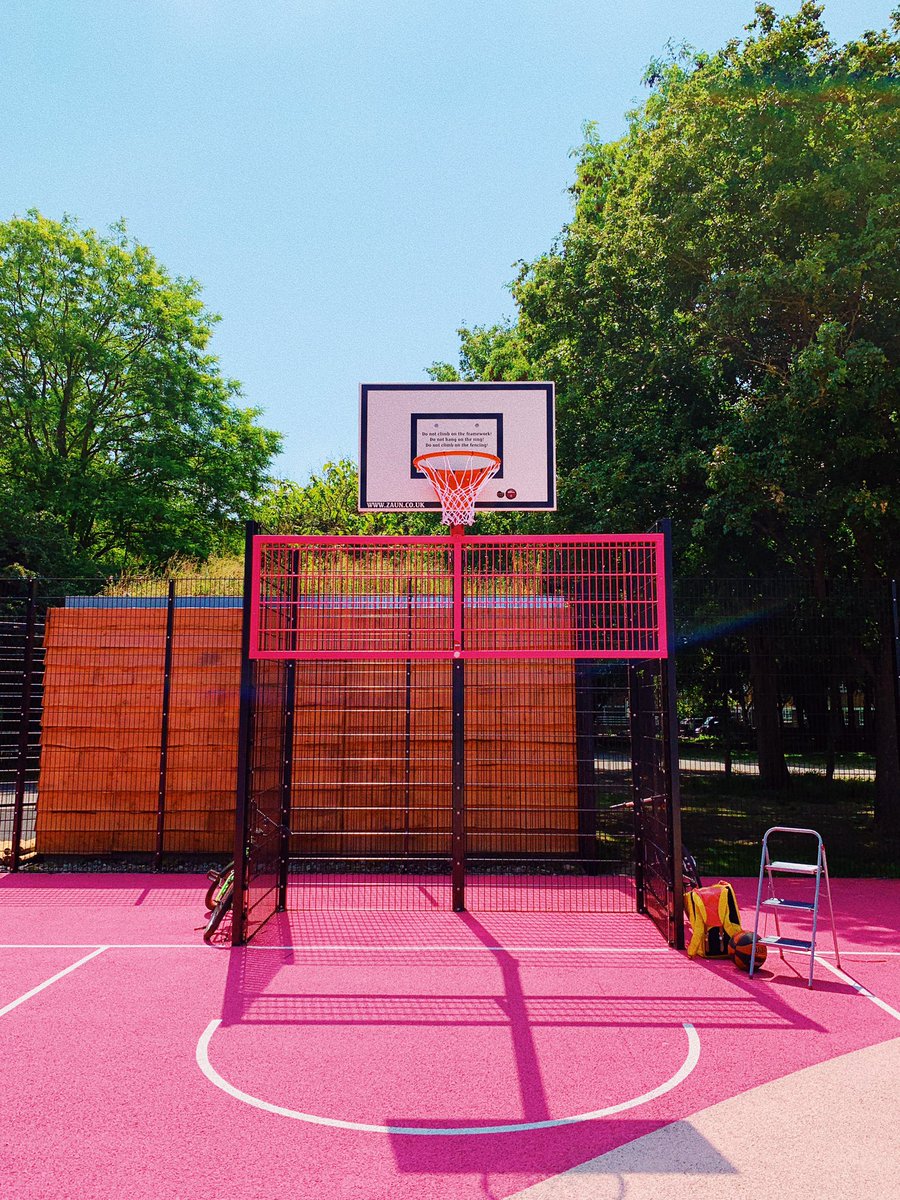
x=740, y=949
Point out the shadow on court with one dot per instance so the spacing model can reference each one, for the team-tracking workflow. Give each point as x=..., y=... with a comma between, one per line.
x=539, y=1152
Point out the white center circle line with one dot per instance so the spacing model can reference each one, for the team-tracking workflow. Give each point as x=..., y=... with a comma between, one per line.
x=693, y=1057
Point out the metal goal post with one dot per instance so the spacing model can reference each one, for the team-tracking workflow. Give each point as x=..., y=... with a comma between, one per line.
x=425, y=713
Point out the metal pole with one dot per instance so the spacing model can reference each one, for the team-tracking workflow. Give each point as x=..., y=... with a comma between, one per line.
x=24, y=724
x=459, y=786
x=287, y=783
x=895, y=629
x=245, y=734
x=287, y=750
x=407, y=729
x=586, y=767
x=164, y=728
x=638, y=748
x=458, y=698
x=670, y=716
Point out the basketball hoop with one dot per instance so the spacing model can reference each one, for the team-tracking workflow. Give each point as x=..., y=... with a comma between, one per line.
x=457, y=476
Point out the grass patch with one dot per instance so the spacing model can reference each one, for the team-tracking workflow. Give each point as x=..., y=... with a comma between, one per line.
x=724, y=819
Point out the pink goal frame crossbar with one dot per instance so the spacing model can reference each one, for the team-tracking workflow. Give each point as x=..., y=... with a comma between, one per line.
x=591, y=596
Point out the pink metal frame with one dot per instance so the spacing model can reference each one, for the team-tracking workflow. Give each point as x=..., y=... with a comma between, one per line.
x=593, y=596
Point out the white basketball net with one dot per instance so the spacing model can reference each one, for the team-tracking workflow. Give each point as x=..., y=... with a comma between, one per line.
x=457, y=476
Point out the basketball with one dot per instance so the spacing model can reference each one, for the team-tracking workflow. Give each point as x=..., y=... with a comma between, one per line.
x=740, y=948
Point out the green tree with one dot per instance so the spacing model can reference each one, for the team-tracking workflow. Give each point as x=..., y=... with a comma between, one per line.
x=761, y=185
x=721, y=313
x=721, y=320
x=488, y=352
x=122, y=442
x=326, y=505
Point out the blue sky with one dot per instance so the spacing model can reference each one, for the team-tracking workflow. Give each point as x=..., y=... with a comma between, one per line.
x=349, y=181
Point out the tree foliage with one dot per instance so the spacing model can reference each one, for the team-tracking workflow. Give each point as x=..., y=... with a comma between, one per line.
x=721, y=314
x=122, y=442
x=326, y=505
x=721, y=320
x=488, y=352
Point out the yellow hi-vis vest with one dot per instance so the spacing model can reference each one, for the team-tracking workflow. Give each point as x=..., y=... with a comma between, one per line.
x=714, y=917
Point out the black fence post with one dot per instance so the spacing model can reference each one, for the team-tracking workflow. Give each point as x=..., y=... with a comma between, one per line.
x=287, y=783
x=458, y=733
x=670, y=737
x=24, y=727
x=586, y=766
x=895, y=629
x=459, y=786
x=895, y=663
x=245, y=733
x=407, y=721
x=164, y=729
x=638, y=709
x=287, y=749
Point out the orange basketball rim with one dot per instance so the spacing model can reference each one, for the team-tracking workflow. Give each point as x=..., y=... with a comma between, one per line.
x=457, y=476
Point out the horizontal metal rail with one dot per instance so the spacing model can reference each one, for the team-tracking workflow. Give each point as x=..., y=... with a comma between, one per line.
x=599, y=596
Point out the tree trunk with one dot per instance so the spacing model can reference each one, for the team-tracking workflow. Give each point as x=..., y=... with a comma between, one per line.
x=773, y=770
x=887, y=726
x=815, y=702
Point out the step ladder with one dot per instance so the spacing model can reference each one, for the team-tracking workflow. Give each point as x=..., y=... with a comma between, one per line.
x=817, y=870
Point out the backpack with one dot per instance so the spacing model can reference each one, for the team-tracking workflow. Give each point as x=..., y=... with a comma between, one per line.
x=714, y=917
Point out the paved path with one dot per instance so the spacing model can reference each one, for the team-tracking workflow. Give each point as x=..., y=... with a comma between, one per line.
x=828, y=1132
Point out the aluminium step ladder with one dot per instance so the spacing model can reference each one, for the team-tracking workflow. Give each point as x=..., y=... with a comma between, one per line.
x=817, y=870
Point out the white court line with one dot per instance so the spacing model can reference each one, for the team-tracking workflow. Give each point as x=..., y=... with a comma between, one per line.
x=693, y=1057
x=858, y=987
x=40, y=987
x=542, y=949
x=107, y=946
x=307, y=946
x=482, y=947
x=859, y=954
x=372, y=949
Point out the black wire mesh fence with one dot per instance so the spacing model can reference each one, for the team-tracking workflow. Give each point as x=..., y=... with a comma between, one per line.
x=788, y=708
x=547, y=777
x=267, y=791
x=118, y=727
x=444, y=751
x=119, y=716
x=656, y=800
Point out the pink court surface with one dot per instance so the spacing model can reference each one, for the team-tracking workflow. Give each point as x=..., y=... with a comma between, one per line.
x=415, y=1055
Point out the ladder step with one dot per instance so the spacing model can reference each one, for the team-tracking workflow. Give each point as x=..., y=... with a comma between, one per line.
x=787, y=943
x=777, y=902
x=795, y=868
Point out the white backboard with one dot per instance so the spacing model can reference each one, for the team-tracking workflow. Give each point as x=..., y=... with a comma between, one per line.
x=515, y=421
